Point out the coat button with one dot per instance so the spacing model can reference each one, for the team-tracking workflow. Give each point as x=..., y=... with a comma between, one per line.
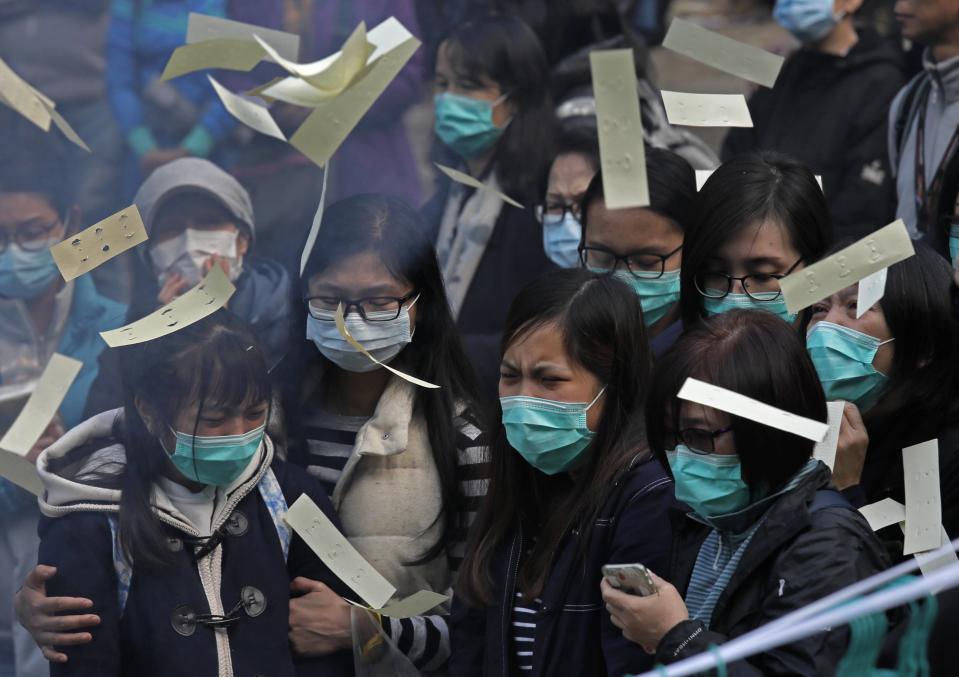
x=174, y=544
x=254, y=601
x=183, y=620
x=237, y=524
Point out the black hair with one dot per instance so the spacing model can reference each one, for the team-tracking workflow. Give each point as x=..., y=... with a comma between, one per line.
x=753, y=353
x=602, y=328
x=33, y=165
x=505, y=50
x=579, y=140
x=395, y=232
x=743, y=192
x=672, y=188
x=214, y=363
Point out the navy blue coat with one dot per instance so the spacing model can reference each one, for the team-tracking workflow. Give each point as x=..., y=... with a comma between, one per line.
x=574, y=635
x=143, y=641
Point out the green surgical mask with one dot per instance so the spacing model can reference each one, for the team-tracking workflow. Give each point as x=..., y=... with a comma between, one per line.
x=710, y=484
x=215, y=460
x=746, y=302
x=551, y=436
x=656, y=295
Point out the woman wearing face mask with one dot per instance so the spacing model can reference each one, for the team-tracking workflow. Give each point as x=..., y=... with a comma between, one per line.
x=643, y=246
x=575, y=164
x=405, y=465
x=897, y=368
x=168, y=515
x=493, y=112
x=766, y=534
x=829, y=109
x=198, y=216
x=757, y=219
x=573, y=487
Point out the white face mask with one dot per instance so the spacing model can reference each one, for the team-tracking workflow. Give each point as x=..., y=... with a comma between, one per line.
x=188, y=252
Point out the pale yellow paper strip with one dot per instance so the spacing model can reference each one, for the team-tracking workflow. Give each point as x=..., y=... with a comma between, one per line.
x=923, y=501
x=201, y=28
x=21, y=97
x=253, y=115
x=416, y=604
x=733, y=403
x=317, y=222
x=21, y=472
x=67, y=130
x=330, y=122
x=871, y=254
x=702, y=175
x=345, y=333
x=706, y=110
x=884, y=513
x=386, y=37
x=223, y=53
x=99, y=243
x=330, y=75
x=337, y=553
x=825, y=451
x=933, y=560
x=203, y=300
x=621, y=151
x=42, y=406
x=734, y=57
x=871, y=290
x=467, y=180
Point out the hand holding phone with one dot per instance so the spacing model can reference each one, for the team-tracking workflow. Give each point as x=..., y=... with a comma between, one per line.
x=631, y=578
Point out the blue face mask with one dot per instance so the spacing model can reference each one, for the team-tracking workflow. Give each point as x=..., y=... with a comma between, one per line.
x=744, y=301
x=25, y=275
x=383, y=339
x=465, y=124
x=215, y=460
x=656, y=295
x=954, y=244
x=561, y=235
x=843, y=359
x=550, y=435
x=710, y=484
x=808, y=20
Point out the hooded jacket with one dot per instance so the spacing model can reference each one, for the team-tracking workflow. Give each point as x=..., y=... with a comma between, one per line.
x=152, y=621
x=798, y=555
x=830, y=112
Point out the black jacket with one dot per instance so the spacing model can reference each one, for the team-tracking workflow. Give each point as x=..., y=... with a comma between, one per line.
x=574, y=635
x=831, y=113
x=795, y=558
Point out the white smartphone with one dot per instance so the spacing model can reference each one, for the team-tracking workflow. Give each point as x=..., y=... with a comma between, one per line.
x=631, y=578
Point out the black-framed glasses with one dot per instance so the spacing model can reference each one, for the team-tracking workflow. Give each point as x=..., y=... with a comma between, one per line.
x=640, y=264
x=30, y=237
x=702, y=441
x=554, y=210
x=758, y=286
x=371, y=308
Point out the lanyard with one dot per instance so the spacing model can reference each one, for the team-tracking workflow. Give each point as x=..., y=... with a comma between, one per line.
x=926, y=201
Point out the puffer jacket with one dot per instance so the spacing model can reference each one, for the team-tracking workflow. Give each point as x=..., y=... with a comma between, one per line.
x=798, y=555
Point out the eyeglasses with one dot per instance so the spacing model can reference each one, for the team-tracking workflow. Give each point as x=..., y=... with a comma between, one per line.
x=371, y=309
x=639, y=264
x=701, y=441
x=758, y=286
x=558, y=210
x=31, y=237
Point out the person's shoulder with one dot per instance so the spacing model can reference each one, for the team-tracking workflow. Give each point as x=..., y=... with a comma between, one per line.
x=93, y=305
x=645, y=477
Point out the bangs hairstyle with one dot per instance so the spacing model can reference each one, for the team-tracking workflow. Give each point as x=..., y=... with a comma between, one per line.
x=753, y=353
x=601, y=323
x=505, y=50
x=672, y=188
x=391, y=229
x=214, y=364
x=30, y=163
x=752, y=189
x=579, y=140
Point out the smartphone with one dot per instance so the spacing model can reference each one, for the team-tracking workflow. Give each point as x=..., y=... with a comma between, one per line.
x=631, y=578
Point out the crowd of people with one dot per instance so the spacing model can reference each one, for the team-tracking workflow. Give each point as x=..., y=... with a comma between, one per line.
x=558, y=336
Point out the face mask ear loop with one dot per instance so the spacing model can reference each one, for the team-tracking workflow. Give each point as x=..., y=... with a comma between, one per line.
x=882, y=343
x=598, y=395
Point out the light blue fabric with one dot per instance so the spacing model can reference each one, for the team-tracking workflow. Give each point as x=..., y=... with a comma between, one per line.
x=561, y=236
x=745, y=302
x=465, y=124
x=954, y=244
x=216, y=460
x=843, y=359
x=657, y=295
x=808, y=20
x=26, y=274
x=710, y=484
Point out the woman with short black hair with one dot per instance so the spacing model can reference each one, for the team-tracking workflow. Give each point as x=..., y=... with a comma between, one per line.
x=766, y=534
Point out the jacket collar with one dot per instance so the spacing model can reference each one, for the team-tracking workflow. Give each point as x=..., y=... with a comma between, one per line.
x=387, y=432
x=944, y=76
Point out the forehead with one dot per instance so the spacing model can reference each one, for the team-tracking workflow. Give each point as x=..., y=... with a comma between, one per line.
x=18, y=206
x=543, y=343
x=764, y=239
x=570, y=169
x=692, y=414
x=365, y=270
x=630, y=229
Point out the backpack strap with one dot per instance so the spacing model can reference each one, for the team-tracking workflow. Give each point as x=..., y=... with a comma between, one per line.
x=276, y=503
x=829, y=498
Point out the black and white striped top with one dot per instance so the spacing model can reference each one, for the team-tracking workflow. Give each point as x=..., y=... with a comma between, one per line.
x=330, y=440
x=524, y=632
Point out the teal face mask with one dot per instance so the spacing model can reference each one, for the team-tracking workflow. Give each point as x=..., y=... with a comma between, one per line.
x=710, y=484
x=843, y=359
x=465, y=124
x=954, y=244
x=656, y=295
x=561, y=235
x=744, y=301
x=215, y=460
x=550, y=435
